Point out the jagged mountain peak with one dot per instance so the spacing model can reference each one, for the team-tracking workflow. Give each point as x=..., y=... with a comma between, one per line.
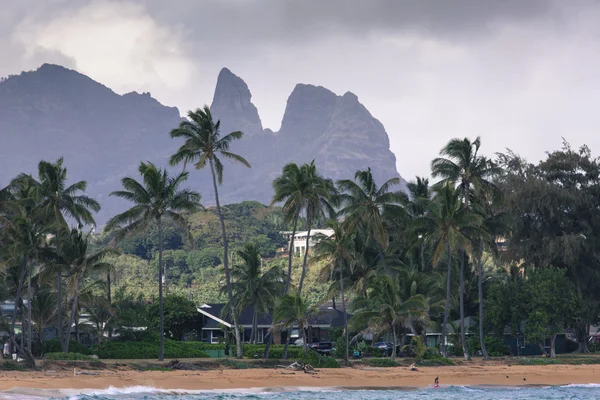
x=232, y=103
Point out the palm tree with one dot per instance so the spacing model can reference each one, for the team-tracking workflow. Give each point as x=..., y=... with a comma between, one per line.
x=295, y=311
x=338, y=251
x=448, y=225
x=385, y=308
x=73, y=249
x=364, y=205
x=43, y=307
x=204, y=144
x=253, y=287
x=54, y=200
x=157, y=197
x=290, y=189
x=460, y=164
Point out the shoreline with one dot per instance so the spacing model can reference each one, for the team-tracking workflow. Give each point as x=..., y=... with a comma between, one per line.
x=398, y=378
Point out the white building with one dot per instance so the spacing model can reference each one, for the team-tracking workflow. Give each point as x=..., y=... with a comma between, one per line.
x=300, y=238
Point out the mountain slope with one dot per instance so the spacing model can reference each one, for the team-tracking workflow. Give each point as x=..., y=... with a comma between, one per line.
x=54, y=112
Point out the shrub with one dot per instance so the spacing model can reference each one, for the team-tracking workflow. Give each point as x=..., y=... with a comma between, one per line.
x=436, y=361
x=494, y=346
x=340, y=347
x=381, y=362
x=318, y=361
x=9, y=365
x=149, y=349
x=53, y=346
x=431, y=353
x=594, y=347
x=67, y=356
x=275, y=352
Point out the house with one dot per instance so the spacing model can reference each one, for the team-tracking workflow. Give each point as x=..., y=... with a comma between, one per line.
x=214, y=321
x=300, y=238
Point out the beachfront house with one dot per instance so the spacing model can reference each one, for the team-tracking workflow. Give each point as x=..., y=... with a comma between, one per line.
x=214, y=323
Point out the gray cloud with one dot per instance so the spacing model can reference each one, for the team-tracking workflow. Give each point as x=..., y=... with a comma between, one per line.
x=520, y=73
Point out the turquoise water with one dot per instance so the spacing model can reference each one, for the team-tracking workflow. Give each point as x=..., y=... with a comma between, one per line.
x=571, y=392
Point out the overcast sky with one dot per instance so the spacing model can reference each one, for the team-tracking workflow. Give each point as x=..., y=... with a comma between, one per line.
x=519, y=73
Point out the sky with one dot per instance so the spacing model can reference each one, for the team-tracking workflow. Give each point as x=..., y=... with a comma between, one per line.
x=522, y=74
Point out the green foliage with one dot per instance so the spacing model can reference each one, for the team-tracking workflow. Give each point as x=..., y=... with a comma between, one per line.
x=53, y=346
x=419, y=346
x=149, y=349
x=9, y=365
x=318, y=361
x=436, y=361
x=494, y=346
x=67, y=356
x=205, y=258
x=340, y=347
x=180, y=315
x=381, y=362
x=275, y=352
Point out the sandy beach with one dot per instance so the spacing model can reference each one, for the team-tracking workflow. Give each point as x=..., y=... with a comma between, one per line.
x=475, y=374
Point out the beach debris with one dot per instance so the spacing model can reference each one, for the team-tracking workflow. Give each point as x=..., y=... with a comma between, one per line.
x=87, y=373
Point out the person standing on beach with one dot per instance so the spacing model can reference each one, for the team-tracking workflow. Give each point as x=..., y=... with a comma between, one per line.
x=436, y=383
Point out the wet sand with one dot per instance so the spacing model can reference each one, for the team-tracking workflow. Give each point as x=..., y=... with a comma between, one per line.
x=401, y=377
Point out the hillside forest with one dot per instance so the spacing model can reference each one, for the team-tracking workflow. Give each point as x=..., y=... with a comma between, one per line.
x=507, y=242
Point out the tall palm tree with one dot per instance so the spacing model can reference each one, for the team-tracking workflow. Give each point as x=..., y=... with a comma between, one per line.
x=385, y=308
x=448, y=225
x=290, y=189
x=364, y=205
x=254, y=287
x=295, y=311
x=337, y=250
x=494, y=224
x=420, y=194
x=460, y=164
x=56, y=202
x=319, y=199
x=73, y=249
x=157, y=197
x=204, y=145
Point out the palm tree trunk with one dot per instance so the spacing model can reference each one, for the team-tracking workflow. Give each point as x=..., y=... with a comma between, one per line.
x=553, y=346
x=447, y=305
x=269, y=340
x=480, y=290
x=59, y=311
x=29, y=311
x=344, y=308
x=305, y=257
x=304, y=339
x=463, y=337
x=109, y=298
x=17, y=300
x=291, y=256
x=395, y=341
x=73, y=311
x=226, y=264
x=161, y=350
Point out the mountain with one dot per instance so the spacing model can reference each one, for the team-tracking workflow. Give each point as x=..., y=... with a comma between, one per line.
x=56, y=112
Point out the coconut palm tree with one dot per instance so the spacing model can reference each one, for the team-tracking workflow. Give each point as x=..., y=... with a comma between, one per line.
x=364, y=205
x=204, y=145
x=295, y=311
x=72, y=247
x=290, y=189
x=448, y=226
x=157, y=197
x=55, y=202
x=254, y=287
x=385, y=308
x=337, y=250
x=460, y=164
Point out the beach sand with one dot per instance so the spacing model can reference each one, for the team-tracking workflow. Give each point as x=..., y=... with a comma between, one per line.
x=472, y=374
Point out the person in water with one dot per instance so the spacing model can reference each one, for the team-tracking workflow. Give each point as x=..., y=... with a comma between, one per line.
x=436, y=382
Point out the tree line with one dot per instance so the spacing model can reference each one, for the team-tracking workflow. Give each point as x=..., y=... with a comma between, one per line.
x=393, y=260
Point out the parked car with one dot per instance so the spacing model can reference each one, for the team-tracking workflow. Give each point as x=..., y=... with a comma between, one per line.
x=386, y=348
x=324, y=348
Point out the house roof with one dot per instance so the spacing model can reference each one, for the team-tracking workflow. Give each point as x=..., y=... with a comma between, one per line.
x=216, y=319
